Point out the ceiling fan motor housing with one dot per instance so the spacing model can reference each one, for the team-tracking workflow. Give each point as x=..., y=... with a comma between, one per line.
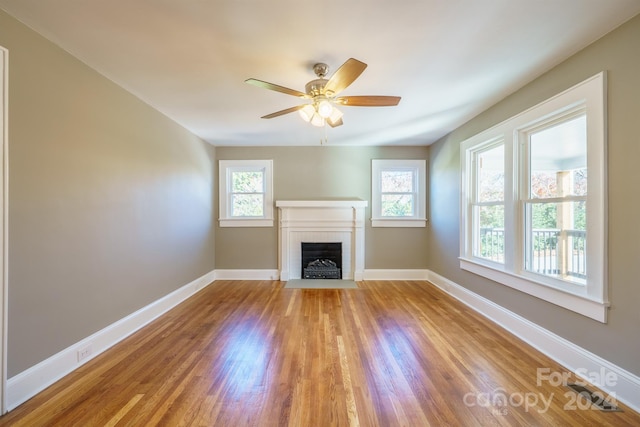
x=315, y=87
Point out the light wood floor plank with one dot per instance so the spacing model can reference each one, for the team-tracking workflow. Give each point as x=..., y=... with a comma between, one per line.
x=251, y=353
x=122, y=412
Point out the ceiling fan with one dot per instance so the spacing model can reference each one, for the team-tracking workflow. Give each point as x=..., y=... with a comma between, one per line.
x=324, y=97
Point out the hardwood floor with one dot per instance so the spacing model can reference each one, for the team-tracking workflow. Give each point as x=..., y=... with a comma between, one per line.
x=251, y=353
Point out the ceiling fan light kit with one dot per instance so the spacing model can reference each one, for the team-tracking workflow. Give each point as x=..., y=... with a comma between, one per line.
x=324, y=108
x=320, y=113
x=307, y=112
x=323, y=94
x=336, y=116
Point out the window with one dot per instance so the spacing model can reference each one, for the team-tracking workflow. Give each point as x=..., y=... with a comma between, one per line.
x=246, y=198
x=533, y=201
x=398, y=193
x=555, y=198
x=488, y=202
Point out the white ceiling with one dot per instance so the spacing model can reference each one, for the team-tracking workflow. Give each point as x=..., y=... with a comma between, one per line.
x=448, y=59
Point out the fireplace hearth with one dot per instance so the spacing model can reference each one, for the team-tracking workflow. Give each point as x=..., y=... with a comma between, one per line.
x=321, y=260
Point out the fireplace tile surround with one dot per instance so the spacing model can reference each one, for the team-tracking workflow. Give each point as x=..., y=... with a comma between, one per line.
x=334, y=220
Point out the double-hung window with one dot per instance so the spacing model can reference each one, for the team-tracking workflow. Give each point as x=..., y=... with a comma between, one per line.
x=487, y=201
x=554, y=197
x=533, y=201
x=246, y=198
x=398, y=193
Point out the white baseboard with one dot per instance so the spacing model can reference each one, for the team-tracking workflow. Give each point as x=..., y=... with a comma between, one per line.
x=247, y=275
x=625, y=386
x=396, y=274
x=28, y=383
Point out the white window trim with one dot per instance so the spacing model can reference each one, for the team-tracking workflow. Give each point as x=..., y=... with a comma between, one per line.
x=590, y=300
x=224, y=173
x=419, y=168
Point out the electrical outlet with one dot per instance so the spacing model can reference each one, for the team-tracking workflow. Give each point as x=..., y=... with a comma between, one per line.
x=84, y=352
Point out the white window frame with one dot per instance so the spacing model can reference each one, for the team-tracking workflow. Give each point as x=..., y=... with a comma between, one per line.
x=590, y=299
x=418, y=168
x=226, y=168
x=473, y=194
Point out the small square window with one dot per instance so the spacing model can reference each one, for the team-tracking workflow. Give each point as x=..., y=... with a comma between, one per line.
x=398, y=193
x=246, y=195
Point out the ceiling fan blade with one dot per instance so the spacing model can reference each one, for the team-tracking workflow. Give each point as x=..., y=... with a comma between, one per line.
x=345, y=75
x=271, y=86
x=283, y=112
x=337, y=123
x=368, y=101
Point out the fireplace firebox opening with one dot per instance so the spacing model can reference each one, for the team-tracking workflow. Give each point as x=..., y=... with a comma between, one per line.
x=321, y=260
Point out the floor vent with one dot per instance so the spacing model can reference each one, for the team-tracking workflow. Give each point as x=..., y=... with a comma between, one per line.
x=597, y=399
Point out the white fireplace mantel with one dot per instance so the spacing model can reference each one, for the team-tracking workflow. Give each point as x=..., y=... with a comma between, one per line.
x=321, y=221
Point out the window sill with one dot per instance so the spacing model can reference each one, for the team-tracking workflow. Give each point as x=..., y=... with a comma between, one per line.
x=399, y=222
x=246, y=222
x=583, y=305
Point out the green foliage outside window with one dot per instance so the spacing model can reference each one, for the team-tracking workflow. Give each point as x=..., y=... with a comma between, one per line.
x=247, y=194
x=397, y=193
x=397, y=205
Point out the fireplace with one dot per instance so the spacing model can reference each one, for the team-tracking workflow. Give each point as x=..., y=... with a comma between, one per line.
x=321, y=221
x=321, y=260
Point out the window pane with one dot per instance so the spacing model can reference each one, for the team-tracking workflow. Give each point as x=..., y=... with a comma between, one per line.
x=556, y=240
x=397, y=181
x=397, y=205
x=558, y=157
x=247, y=205
x=579, y=182
x=247, y=182
x=489, y=242
x=491, y=175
